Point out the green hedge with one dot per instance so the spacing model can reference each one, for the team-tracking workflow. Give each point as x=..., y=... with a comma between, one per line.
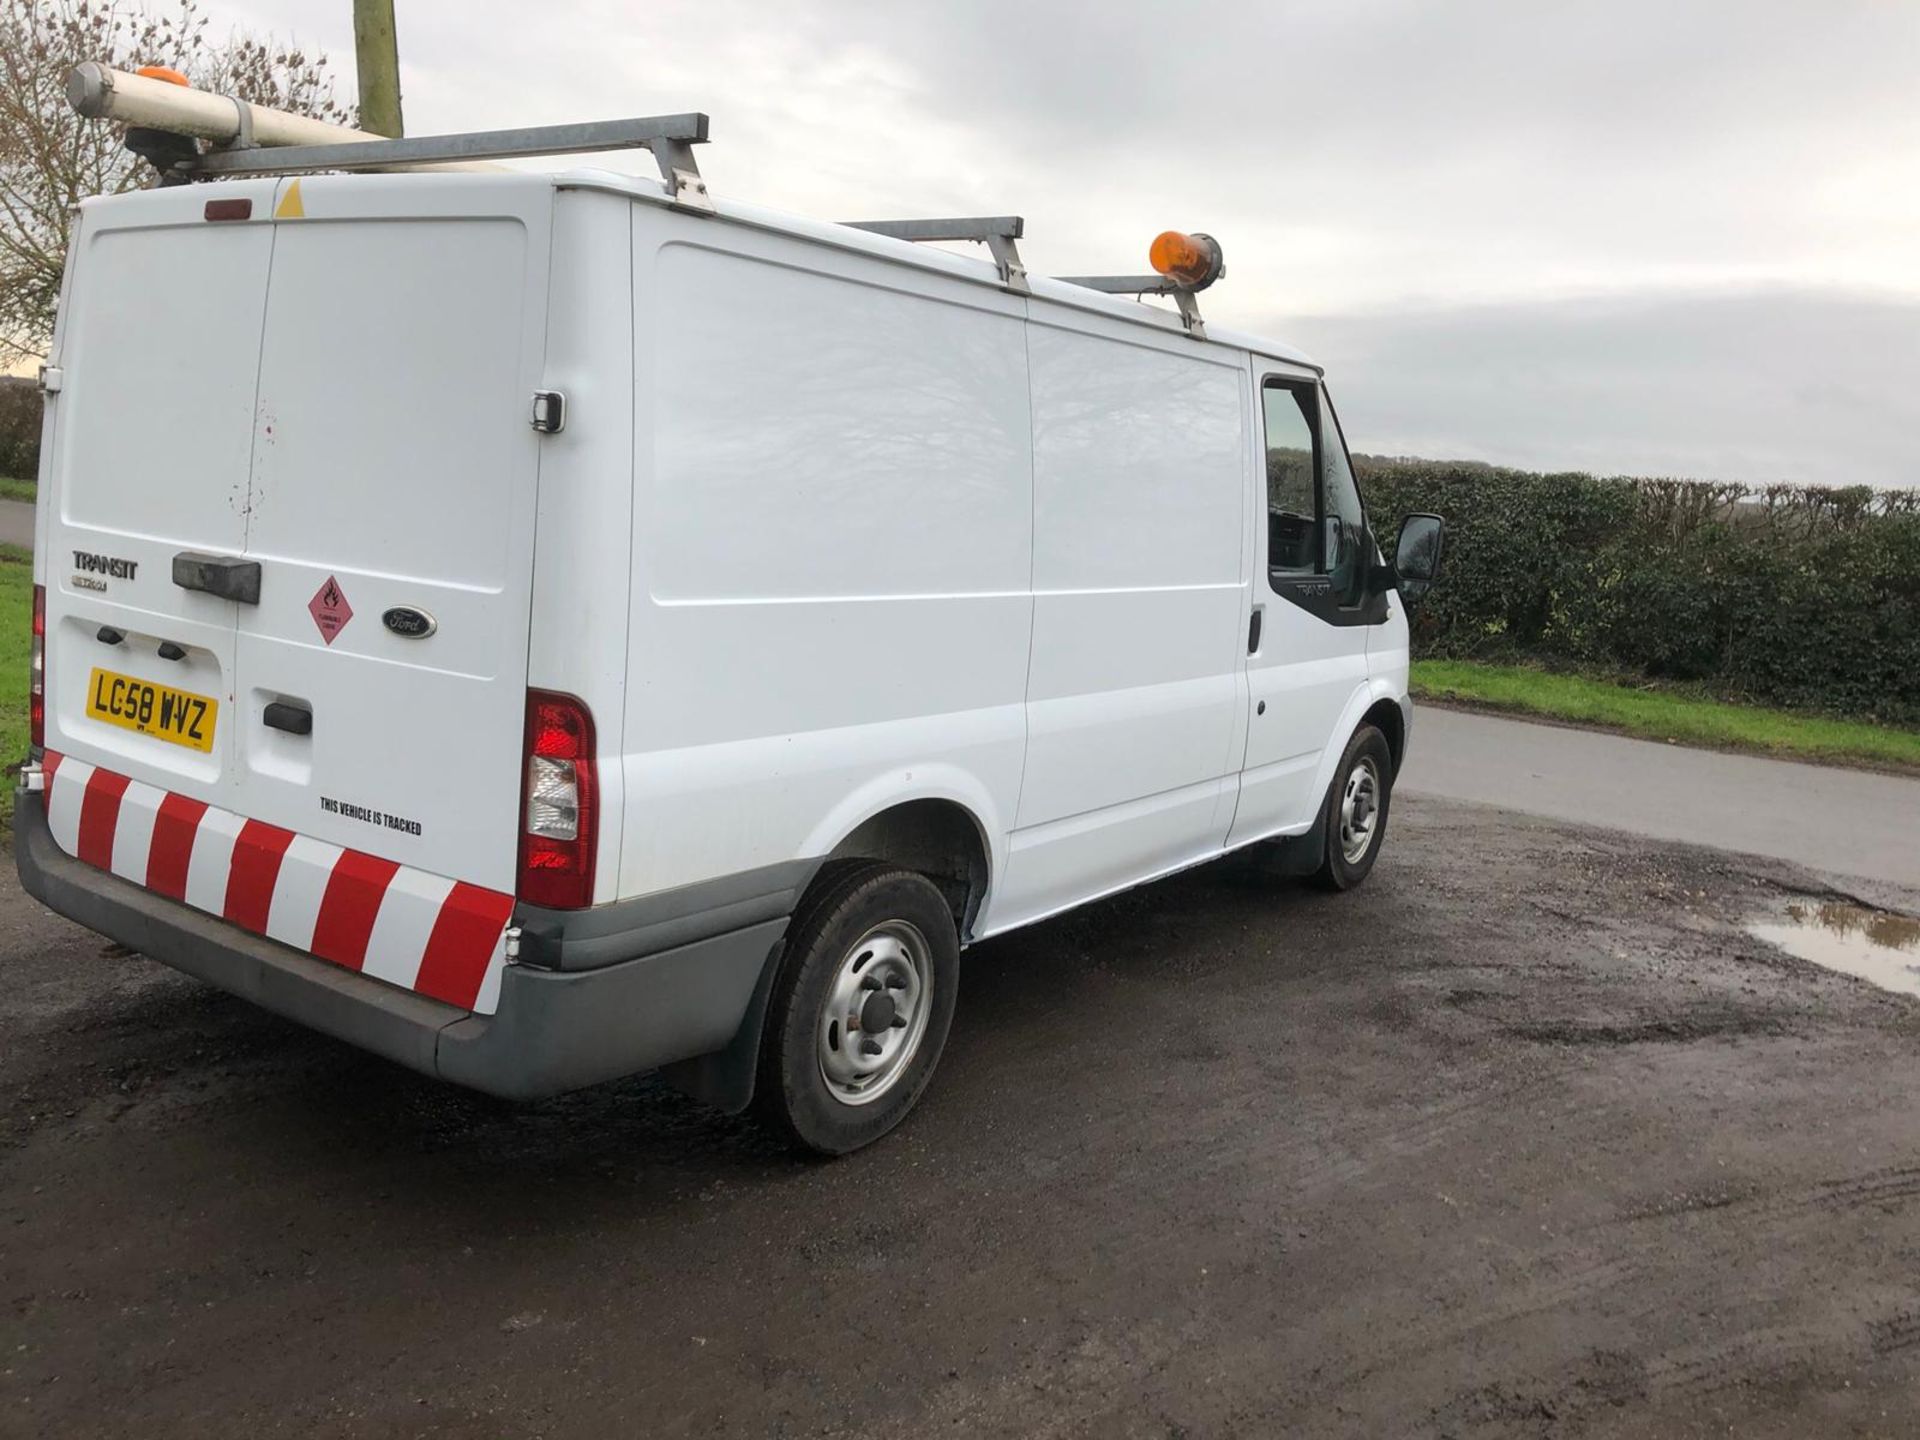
x=1801, y=597
x=19, y=428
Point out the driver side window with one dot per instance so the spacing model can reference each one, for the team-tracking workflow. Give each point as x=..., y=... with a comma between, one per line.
x=1315, y=524
x=1292, y=496
x=1346, y=522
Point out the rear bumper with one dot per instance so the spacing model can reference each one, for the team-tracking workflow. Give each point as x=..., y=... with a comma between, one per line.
x=641, y=1008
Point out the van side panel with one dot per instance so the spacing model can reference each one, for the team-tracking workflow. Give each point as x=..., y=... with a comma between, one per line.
x=1140, y=477
x=831, y=607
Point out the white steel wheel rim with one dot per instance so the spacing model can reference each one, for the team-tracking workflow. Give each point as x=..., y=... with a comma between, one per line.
x=875, y=1013
x=1359, y=810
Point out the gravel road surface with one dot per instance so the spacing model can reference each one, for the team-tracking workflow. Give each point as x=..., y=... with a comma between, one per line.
x=1523, y=1138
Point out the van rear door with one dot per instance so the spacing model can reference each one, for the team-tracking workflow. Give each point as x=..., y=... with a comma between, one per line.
x=159, y=350
x=336, y=390
x=391, y=513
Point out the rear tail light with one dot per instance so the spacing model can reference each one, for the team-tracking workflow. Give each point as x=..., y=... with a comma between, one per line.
x=562, y=811
x=37, y=672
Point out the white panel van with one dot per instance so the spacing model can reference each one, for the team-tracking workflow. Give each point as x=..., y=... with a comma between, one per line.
x=541, y=632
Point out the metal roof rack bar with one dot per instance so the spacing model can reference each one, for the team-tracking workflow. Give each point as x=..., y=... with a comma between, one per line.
x=1123, y=284
x=669, y=137
x=996, y=232
x=1183, y=295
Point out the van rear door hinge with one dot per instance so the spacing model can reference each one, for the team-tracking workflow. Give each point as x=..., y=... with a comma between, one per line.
x=51, y=379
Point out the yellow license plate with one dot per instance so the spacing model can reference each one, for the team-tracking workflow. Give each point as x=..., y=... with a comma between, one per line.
x=177, y=716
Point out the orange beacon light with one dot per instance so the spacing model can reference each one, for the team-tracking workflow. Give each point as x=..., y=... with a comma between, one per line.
x=1193, y=261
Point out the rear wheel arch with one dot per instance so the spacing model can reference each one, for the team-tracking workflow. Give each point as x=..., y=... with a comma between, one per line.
x=938, y=838
x=941, y=839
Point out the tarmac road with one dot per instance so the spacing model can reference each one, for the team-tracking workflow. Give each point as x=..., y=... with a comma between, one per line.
x=16, y=523
x=1523, y=1138
x=1851, y=822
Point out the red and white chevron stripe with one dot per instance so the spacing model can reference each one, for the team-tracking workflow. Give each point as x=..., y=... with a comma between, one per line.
x=422, y=932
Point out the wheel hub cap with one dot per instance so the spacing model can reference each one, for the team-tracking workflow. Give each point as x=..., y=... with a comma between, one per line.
x=875, y=1012
x=878, y=1013
x=1359, y=811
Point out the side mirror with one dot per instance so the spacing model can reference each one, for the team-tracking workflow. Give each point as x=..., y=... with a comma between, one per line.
x=1416, y=556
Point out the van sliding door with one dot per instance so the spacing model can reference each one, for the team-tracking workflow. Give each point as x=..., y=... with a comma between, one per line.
x=1134, y=700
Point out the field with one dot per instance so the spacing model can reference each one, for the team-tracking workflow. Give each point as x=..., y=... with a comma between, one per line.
x=1665, y=714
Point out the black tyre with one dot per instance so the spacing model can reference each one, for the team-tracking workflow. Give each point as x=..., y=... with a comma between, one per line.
x=861, y=1009
x=1354, y=816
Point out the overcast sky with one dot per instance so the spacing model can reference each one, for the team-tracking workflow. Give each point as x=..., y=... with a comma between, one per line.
x=1651, y=237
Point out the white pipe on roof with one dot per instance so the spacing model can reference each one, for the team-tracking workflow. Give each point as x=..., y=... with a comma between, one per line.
x=101, y=93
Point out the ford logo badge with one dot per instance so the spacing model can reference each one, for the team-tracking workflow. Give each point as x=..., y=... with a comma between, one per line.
x=407, y=621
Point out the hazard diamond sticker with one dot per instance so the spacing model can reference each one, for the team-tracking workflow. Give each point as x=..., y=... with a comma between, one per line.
x=330, y=609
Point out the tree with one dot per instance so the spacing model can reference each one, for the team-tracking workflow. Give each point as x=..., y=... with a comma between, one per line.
x=51, y=158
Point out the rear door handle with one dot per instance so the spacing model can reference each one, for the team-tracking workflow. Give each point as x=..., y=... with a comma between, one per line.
x=227, y=576
x=293, y=719
x=1253, y=632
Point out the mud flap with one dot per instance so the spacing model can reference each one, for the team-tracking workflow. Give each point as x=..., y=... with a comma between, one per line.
x=1300, y=855
x=725, y=1078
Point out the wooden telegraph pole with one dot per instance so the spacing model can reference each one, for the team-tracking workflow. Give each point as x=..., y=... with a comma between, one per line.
x=377, y=50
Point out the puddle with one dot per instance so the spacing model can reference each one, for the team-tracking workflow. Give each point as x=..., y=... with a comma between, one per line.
x=1875, y=945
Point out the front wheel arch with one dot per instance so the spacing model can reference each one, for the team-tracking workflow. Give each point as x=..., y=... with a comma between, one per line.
x=1357, y=803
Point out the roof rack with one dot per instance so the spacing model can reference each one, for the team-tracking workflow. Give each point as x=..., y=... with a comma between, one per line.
x=1185, y=296
x=189, y=135
x=670, y=138
x=996, y=232
x=999, y=232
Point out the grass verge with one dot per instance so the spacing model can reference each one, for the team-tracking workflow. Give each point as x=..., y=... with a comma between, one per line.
x=1656, y=714
x=13, y=489
x=16, y=641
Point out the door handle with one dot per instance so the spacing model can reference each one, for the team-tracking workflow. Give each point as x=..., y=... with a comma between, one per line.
x=294, y=719
x=227, y=576
x=1253, y=630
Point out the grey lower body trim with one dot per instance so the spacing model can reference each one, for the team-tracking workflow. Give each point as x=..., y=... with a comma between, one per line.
x=589, y=939
x=553, y=1030
x=559, y=1030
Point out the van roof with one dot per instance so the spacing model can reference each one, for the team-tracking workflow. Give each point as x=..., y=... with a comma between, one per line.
x=848, y=237
x=925, y=257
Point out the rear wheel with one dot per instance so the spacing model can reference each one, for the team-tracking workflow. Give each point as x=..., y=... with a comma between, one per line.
x=1354, y=817
x=860, y=1012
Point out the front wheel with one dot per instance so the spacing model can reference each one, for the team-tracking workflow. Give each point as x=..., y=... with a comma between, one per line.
x=1354, y=816
x=860, y=1011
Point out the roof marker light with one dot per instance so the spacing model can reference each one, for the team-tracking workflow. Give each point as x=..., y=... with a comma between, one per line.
x=164, y=72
